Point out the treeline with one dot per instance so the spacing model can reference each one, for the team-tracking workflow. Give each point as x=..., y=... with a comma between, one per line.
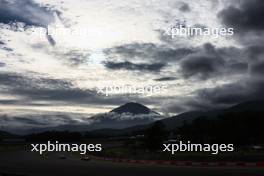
x=240, y=128
x=64, y=136
x=150, y=140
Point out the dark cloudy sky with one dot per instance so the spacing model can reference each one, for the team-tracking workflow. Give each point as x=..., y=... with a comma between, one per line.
x=127, y=45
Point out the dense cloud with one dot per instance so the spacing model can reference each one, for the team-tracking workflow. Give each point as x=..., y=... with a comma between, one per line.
x=149, y=52
x=28, y=13
x=184, y=7
x=235, y=92
x=219, y=97
x=25, y=11
x=255, y=52
x=155, y=67
x=247, y=17
x=202, y=62
x=2, y=64
x=258, y=69
x=210, y=62
x=201, y=66
x=166, y=79
x=36, y=88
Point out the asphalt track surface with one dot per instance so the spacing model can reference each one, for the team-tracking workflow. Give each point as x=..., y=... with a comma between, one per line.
x=30, y=164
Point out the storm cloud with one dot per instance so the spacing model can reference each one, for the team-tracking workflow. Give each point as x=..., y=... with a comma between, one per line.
x=26, y=11
x=246, y=17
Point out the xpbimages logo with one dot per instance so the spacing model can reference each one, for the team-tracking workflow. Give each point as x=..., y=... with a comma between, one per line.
x=58, y=147
x=131, y=89
x=180, y=28
x=189, y=147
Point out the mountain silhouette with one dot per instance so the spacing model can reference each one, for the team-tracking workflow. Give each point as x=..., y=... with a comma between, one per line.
x=133, y=108
x=176, y=121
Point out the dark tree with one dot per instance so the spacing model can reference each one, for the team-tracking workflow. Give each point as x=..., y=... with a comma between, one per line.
x=155, y=136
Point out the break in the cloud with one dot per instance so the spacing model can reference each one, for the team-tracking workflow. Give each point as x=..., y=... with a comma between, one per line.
x=127, y=45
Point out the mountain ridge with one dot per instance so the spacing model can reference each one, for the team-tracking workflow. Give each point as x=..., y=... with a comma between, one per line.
x=176, y=121
x=123, y=118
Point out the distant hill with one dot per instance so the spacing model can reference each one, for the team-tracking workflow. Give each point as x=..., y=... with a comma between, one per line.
x=180, y=119
x=240, y=125
x=188, y=117
x=248, y=106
